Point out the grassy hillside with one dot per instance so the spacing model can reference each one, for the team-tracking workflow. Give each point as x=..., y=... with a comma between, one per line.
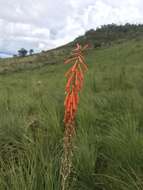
x=15, y=64
x=109, y=144
x=104, y=37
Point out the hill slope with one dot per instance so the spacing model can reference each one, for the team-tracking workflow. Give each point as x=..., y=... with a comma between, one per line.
x=101, y=38
x=109, y=143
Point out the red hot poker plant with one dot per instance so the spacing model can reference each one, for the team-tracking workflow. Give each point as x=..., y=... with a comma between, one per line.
x=75, y=76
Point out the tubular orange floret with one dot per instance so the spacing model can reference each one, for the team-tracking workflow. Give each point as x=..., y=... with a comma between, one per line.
x=69, y=83
x=74, y=67
x=85, y=47
x=82, y=62
x=73, y=101
x=80, y=71
x=69, y=60
x=80, y=77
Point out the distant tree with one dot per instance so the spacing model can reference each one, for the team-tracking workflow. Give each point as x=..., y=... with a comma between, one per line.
x=22, y=52
x=31, y=51
x=14, y=55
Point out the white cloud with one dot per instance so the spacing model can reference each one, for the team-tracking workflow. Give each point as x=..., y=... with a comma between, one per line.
x=46, y=24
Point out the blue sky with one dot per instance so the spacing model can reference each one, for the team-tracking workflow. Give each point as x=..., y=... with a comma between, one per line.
x=45, y=24
x=5, y=54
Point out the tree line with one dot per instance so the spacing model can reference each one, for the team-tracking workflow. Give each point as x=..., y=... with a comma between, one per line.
x=107, y=34
x=23, y=52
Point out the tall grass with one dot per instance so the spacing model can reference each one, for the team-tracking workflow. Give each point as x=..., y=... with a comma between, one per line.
x=109, y=144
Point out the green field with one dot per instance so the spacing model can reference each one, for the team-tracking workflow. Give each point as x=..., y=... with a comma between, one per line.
x=108, y=153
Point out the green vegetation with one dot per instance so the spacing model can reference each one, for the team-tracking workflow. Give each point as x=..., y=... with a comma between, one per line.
x=34, y=61
x=108, y=153
x=109, y=144
x=109, y=34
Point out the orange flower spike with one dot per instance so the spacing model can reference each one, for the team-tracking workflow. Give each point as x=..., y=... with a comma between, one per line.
x=74, y=84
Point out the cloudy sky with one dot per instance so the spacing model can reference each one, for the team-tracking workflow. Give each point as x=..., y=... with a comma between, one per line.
x=45, y=24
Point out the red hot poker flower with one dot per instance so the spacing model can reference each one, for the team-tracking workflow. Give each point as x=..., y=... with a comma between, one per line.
x=75, y=76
